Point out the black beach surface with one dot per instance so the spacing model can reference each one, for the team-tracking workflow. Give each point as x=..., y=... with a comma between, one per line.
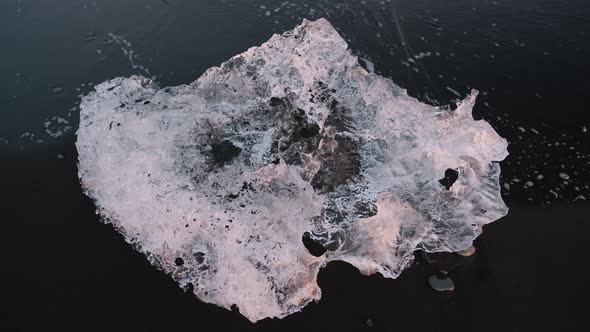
x=529, y=59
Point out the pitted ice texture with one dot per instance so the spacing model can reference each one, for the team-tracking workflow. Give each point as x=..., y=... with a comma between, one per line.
x=218, y=181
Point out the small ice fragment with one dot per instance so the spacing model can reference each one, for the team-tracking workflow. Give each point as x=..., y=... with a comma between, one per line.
x=441, y=285
x=564, y=176
x=368, y=65
x=467, y=252
x=89, y=36
x=422, y=55
x=453, y=91
x=57, y=89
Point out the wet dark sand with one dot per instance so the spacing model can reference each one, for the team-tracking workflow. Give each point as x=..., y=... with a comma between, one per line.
x=67, y=271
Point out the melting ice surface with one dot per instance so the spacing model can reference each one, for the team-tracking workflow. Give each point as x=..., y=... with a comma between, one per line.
x=218, y=181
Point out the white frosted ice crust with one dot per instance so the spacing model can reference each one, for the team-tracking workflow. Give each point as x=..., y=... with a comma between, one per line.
x=218, y=181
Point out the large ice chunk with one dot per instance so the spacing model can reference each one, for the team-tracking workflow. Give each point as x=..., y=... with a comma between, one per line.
x=218, y=181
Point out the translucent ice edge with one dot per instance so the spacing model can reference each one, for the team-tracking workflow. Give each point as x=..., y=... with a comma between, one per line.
x=218, y=181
